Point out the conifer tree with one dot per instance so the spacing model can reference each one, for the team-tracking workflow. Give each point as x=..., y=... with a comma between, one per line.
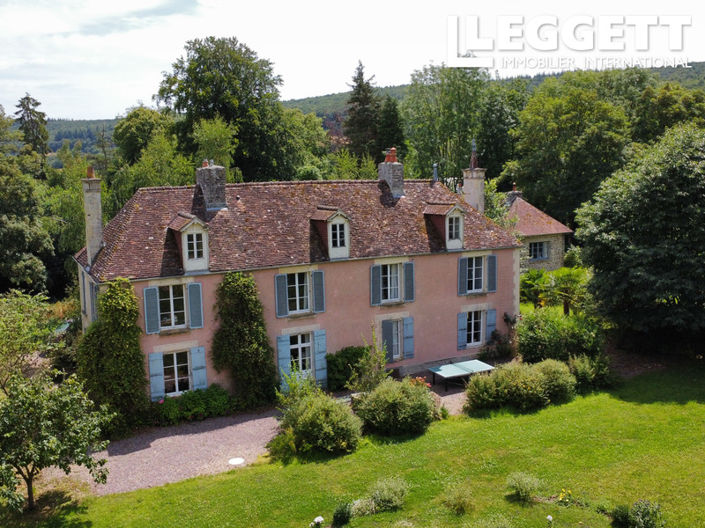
x=33, y=124
x=363, y=113
x=390, y=132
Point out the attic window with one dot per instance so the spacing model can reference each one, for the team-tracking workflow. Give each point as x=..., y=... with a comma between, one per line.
x=454, y=230
x=194, y=246
x=338, y=235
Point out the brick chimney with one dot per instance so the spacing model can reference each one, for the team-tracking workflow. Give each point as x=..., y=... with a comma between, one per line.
x=474, y=183
x=391, y=171
x=513, y=195
x=211, y=179
x=93, y=211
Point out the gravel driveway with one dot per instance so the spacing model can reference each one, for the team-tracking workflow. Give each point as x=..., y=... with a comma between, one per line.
x=169, y=454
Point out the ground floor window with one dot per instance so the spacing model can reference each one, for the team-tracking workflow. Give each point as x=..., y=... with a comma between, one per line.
x=177, y=377
x=395, y=345
x=300, y=348
x=537, y=250
x=474, y=336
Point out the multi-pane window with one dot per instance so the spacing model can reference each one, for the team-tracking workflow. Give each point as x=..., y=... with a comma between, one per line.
x=475, y=274
x=474, y=328
x=395, y=345
x=194, y=246
x=172, y=311
x=454, y=228
x=300, y=348
x=390, y=282
x=337, y=235
x=298, y=292
x=537, y=250
x=176, y=372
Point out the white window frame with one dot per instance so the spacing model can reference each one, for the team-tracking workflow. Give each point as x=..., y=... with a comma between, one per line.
x=338, y=238
x=537, y=250
x=303, y=303
x=301, y=345
x=387, y=273
x=341, y=226
x=474, y=275
x=474, y=317
x=193, y=240
x=174, y=366
x=454, y=231
x=172, y=312
x=190, y=261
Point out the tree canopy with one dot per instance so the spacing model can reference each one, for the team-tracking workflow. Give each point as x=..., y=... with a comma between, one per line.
x=33, y=124
x=644, y=236
x=363, y=107
x=134, y=131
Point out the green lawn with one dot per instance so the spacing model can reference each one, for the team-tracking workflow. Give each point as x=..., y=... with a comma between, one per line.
x=643, y=440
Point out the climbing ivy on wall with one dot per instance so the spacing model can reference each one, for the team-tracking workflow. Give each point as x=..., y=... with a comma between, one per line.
x=109, y=358
x=240, y=343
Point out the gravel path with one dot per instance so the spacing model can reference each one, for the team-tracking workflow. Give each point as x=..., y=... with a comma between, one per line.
x=168, y=454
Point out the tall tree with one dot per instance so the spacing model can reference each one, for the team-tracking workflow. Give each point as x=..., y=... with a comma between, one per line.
x=363, y=114
x=644, y=236
x=216, y=140
x=133, y=132
x=442, y=117
x=568, y=140
x=390, y=130
x=223, y=77
x=33, y=124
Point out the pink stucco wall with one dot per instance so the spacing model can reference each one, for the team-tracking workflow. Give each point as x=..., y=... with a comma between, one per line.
x=349, y=317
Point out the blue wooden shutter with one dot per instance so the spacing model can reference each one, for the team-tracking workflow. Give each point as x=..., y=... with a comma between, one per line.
x=319, y=291
x=491, y=273
x=280, y=295
x=284, y=359
x=195, y=305
x=319, y=360
x=151, y=310
x=198, y=368
x=376, y=285
x=387, y=339
x=462, y=330
x=94, y=301
x=156, y=375
x=408, y=281
x=462, y=275
x=491, y=324
x=408, y=337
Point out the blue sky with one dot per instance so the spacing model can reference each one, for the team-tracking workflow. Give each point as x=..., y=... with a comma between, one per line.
x=94, y=59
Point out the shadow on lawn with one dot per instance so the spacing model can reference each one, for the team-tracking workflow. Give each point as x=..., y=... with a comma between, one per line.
x=143, y=439
x=681, y=383
x=53, y=510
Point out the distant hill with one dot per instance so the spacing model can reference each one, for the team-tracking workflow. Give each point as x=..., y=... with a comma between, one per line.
x=331, y=107
x=86, y=131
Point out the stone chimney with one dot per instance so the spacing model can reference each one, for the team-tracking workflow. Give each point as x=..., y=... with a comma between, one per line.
x=211, y=179
x=391, y=171
x=513, y=195
x=474, y=183
x=93, y=211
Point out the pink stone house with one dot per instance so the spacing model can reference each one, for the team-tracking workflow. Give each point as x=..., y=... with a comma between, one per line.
x=331, y=260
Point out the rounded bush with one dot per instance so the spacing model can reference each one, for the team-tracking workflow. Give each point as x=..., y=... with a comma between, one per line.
x=558, y=383
x=590, y=373
x=524, y=485
x=320, y=423
x=397, y=408
x=389, y=494
x=522, y=386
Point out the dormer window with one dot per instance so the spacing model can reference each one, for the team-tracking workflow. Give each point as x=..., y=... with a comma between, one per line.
x=194, y=246
x=454, y=230
x=337, y=239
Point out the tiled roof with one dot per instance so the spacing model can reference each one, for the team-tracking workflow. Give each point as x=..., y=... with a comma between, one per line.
x=181, y=220
x=269, y=225
x=532, y=221
x=438, y=209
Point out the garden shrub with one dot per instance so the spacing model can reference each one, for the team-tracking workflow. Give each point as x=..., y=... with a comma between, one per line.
x=523, y=485
x=397, y=408
x=341, y=364
x=362, y=507
x=320, y=423
x=388, y=494
x=522, y=386
x=500, y=347
x=193, y=405
x=548, y=334
x=645, y=514
x=531, y=284
x=241, y=344
x=590, y=373
x=558, y=382
x=343, y=514
x=458, y=498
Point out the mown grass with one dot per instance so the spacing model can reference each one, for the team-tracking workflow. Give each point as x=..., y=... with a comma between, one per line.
x=643, y=440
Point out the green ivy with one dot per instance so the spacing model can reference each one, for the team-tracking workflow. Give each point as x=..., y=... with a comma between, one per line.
x=109, y=357
x=240, y=343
